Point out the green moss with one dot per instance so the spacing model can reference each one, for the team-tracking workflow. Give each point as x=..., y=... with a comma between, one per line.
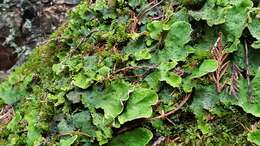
x=107, y=68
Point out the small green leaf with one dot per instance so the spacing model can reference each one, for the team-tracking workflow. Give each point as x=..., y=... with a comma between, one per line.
x=206, y=67
x=134, y=46
x=74, y=64
x=82, y=81
x=214, y=15
x=187, y=85
x=136, y=137
x=155, y=28
x=233, y=47
x=74, y=96
x=68, y=141
x=172, y=54
x=178, y=35
x=256, y=44
x=104, y=71
x=243, y=101
x=111, y=99
x=64, y=127
x=102, y=123
x=205, y=98
x=58, y=68
x=136, y=3
x=141, y=98
x=14, y=124
x=83, y=121
x=153, y=80
x=236, y=19
x=15, y=88
x=34, y=136
x=254, y=136
x=172, y=79
x=149, y=42
x=181, y=15
x=59, y=98
x=166, y=66
x=99, y=5
x=254, y=26
x=143, y=54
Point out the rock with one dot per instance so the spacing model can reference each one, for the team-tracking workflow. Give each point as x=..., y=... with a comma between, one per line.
x=29, y=12
x=69, y=2
x=45, y=1
x=7, y=58
x=3, y=75
x=26, y=23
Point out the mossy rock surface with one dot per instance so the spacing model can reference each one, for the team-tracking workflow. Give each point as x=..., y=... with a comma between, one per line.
x=139, y=73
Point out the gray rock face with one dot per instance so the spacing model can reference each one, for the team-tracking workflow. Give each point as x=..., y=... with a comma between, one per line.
x=7, y=58
x=69, y=2
x=27, y=23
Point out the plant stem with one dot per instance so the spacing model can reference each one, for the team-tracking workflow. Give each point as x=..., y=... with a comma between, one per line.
x=178, y=107
x=249, y=84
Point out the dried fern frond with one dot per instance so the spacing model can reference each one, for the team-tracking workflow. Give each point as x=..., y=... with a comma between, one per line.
x=220, y=55
x=234, y=86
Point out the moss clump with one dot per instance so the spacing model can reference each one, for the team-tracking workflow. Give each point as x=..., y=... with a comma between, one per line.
x=125, y=67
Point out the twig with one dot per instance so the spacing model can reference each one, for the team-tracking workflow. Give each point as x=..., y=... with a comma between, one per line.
x=249, y=84
x=159, y=141
x=146, y=9
x=178, y=107
x=170, y=121
x=126, y=69
x=82, y=40
x=128, y=127
x=75, y=133
x=134, y=67
x=175, y=139
x=136, y=124
x=85, y=38
x=158, y=17
x=244, y=127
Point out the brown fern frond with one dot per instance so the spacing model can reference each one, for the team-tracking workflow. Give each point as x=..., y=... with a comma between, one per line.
x=6, y=114
x=221, y=56
x=134, y=22
x=234, y=86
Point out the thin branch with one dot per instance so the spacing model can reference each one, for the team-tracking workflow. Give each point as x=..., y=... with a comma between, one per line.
x=163, y=116
x=146, y=9
x=160, y=140
x=170, y=121
x=126, y=69
x=249, y=84
x=84, y=38
x=134, y=67
x=178, y=107
x=128, y=127
x=75, y=133
x=244, y=127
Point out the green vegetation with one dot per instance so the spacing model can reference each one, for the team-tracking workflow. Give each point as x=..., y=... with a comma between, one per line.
x=135, y=73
